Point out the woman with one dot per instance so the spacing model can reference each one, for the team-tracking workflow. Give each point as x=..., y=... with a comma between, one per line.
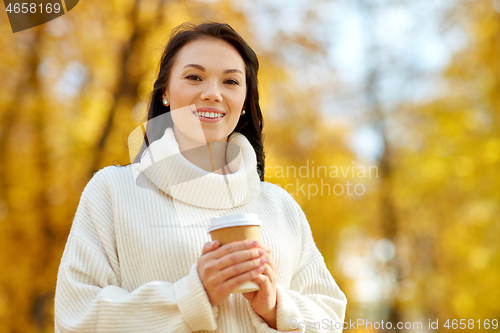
x=132, y=262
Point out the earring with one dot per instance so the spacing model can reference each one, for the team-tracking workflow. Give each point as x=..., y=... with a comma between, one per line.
x=165, y=102
x=243, y=112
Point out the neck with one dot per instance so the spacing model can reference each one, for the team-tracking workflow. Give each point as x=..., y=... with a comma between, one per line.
x=209, y=156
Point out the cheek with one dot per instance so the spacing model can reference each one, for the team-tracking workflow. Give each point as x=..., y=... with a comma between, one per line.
x=238, y=100
x=187, y=124
x=179, y=93
x=177, y=117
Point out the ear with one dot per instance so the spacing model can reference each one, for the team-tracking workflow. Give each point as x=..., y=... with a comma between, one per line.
x=165, y=96
x=164, y=92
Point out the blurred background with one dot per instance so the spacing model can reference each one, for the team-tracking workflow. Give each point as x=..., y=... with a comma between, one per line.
x=381, y=118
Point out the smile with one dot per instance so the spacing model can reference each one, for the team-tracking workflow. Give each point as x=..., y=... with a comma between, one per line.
x=209, y=115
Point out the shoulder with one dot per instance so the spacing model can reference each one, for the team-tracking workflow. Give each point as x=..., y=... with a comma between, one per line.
x=104, y=179
x=288, y=205
x=100, y=179
x=279, y=195
x=95, y=216
x=274, y=189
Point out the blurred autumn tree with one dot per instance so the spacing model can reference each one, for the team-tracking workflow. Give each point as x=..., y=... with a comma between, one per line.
x=448, y=189
x=443, y=191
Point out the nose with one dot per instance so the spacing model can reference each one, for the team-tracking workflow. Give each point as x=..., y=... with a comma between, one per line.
x=211, y=92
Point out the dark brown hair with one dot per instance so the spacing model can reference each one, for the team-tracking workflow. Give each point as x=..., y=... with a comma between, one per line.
x=250, y=124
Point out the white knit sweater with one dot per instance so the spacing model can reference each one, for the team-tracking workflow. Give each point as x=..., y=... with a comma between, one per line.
x=129, y=264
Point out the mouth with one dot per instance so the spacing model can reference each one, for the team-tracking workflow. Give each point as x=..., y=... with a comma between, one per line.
x=209, y=115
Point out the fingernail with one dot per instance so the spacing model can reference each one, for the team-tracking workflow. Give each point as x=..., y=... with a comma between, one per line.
x=255, y=243
x=261, y=252
x=212, y=244
x=263, y=260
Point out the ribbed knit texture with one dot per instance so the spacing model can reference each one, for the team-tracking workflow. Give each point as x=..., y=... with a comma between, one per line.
x=129, y=264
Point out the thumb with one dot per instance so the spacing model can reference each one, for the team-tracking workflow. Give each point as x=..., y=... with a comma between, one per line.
x=209, y=246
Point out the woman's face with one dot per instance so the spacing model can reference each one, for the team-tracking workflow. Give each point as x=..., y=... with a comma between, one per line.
x=207, y=73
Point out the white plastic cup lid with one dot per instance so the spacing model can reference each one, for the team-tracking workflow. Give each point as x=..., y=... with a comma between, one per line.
x=233, y=220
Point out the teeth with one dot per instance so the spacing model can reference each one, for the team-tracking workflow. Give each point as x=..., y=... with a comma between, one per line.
x=209, y=114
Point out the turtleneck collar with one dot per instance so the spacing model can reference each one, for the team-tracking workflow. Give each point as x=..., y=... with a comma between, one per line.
x=163, y=165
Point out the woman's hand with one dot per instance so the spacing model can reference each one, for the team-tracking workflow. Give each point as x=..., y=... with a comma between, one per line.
x=264, y=301
x=222, y=269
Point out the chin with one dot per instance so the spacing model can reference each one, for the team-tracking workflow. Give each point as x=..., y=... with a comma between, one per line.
x=215, y=137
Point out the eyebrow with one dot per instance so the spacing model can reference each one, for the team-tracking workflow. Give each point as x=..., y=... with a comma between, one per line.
x=201, y=68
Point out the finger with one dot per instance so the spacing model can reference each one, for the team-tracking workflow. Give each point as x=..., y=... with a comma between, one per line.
x=206, y=247
x=240, y=268
x=265, y=247
x=234, y=258
x=236, y=281
x=233, y=247
x=210, y=246
x=263, y=281
x=270, y=261
x=269, y=273
x=269, y=257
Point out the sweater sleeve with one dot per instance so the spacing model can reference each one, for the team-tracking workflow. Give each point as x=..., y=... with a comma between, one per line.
x=88, y=293
x=314, y=302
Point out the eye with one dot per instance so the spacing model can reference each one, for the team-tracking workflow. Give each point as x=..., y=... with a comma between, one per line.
x=197, y=78
x=192, y=76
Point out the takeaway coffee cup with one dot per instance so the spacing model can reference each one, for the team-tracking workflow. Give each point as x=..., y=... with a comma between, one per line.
x=234, y=228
